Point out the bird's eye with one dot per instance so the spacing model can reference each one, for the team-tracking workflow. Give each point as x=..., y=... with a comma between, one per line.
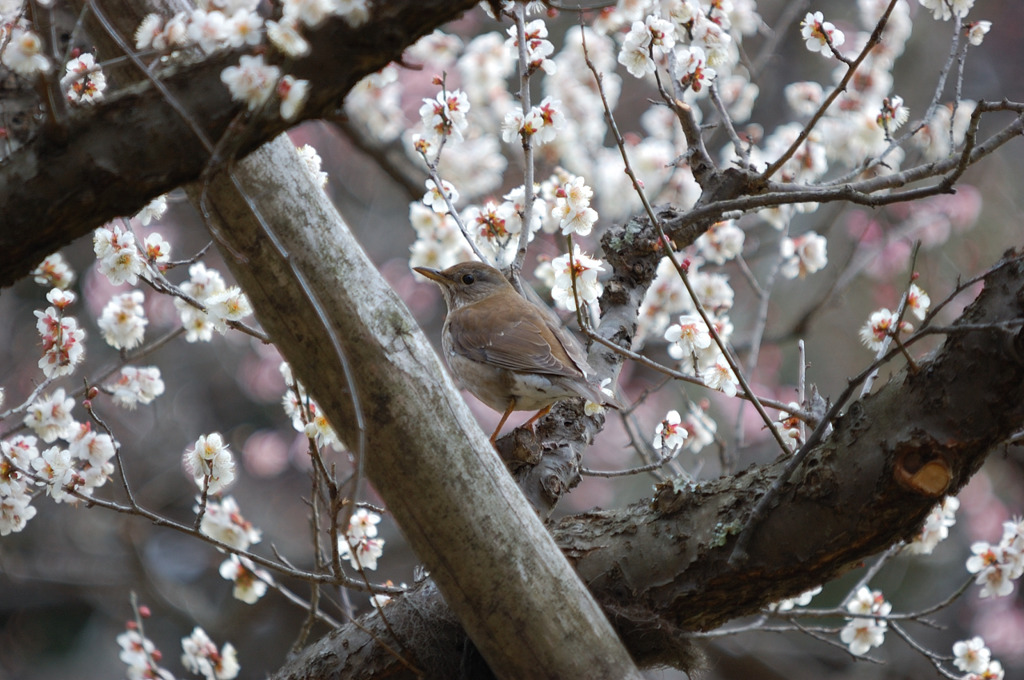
x=468, y=279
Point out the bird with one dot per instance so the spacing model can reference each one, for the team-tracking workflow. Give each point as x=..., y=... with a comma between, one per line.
x=507, y=351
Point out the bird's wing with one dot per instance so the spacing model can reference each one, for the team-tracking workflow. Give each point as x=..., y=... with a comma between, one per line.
x=514, y=341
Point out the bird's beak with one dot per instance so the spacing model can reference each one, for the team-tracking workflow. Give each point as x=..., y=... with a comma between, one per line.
x=432, y=274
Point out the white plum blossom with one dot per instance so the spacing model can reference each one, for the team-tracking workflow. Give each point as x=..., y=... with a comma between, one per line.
x=123, y=320
x=361, y=546
x=50, y=417
x=976, y=31
x=689, y=338
x=538, y=47
x=867, y=601
x=997, y=566
x=879, y=326
x=584, y=270
x=936, y=527
x=803, y=255
x=435, y=199
x=720, y=376
x=54, y=272
x=445, y=115
x=94, y=451
x=252, y=81
x=119, y=257
x=804, y=97
x=136, y=385
x=210, y=463
x=23, y=53
x=228, y=305
x=55, y=467
x=224, y=522
x=293, y=94
x=203, y=284
x=62, y=339
x=572, y=207
x=721, y=242
x=285, y=36
x=694, y=65
x=818, y=33
x=860, y=635
x=209, y=30
x=201, y=656
x=635, y=54
x=15, y=512
x=670, y=433
x=539, y=124
x=243, y=28
x=918, y=301
x=83, y=82
x=250, y=581
x=153, y=210
x=971, y=656
x=945, y=9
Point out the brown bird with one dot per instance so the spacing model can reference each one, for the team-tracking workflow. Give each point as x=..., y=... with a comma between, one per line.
x=507, y=351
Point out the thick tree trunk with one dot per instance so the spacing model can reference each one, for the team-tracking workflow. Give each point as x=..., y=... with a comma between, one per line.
x=355, y=347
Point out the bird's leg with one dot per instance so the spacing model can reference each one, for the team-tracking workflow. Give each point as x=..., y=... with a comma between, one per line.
x=536, y=416
x=504, y=417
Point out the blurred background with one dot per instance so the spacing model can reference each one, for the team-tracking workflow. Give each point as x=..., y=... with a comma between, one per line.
x=65, y=581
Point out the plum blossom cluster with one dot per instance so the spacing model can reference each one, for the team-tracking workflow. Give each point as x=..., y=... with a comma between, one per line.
x=360, y=546
x=637, y=53
x=120, y=258
x=862, y=633
x=54, y=272
x=250, y=581
x=540, y=124
x=77, y=463
x=881, y=325
x=572, y=207
x=998, y=566
x=223, y=304
x=123, y=320
x=201, y=656
x=210, y=463
x=575, y=279
x=83, y=81
x=936, y=527
x=235, y=23
x=445, y=116
x=307, y=416
x=692, y=432
x=140, y=654
x=253, y=81
x=975, y=658
x=62, y=339
x=538, y=47
x=224, y=522
x=803, y=255
x=135, y=385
